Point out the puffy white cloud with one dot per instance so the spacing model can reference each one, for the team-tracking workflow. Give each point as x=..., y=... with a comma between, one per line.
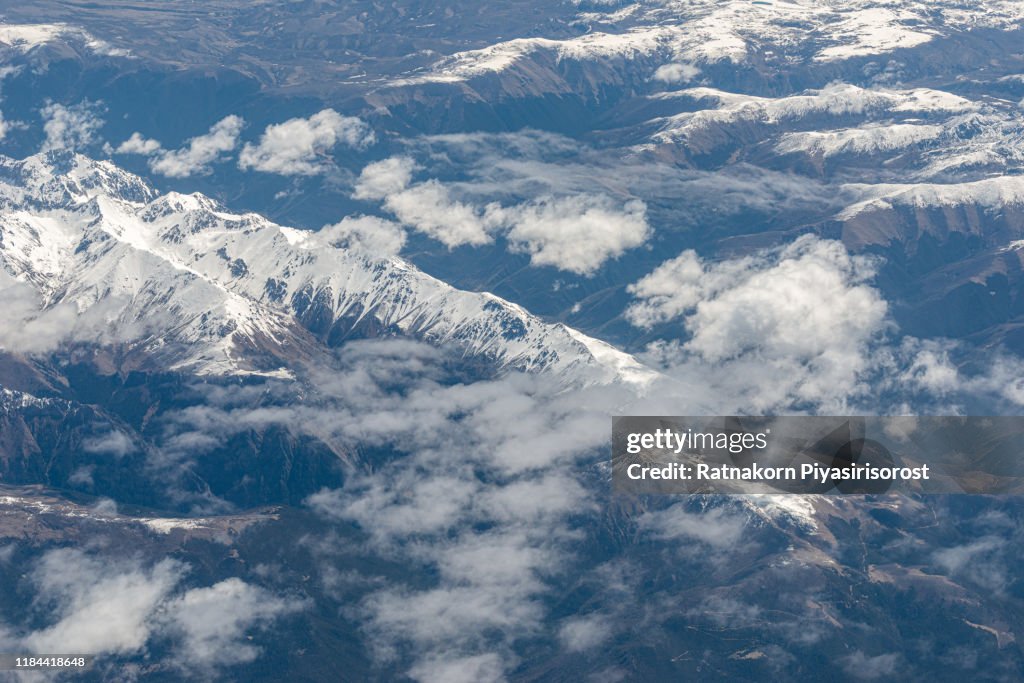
x=929, y=367
x=71, y=127
x=104, y=604
x=25, y=325
x=584, y=633
x=801, y=328
x=366, y=233
x=578, y=233
x=427, y=207
x=137, y=144
x=200, y=152
x=383, y=178
x=805, y=300
x=676, y=286
x=676, y=72
x=801, y=319
x=101, y=607
x=484, y=497
x=5, y=126
x=29, y=326
x=298, y=146
x=211, y=623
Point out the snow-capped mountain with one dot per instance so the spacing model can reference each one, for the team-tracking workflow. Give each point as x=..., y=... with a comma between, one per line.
x=731, y=118
x=25, y=37
x=738, y=32
x=181, y=279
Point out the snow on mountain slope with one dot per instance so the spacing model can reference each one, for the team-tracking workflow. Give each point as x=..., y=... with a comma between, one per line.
x=991, y=193
x=873, y=31
x=710, y=31
x=866, y=139
x=24, y=37
x=189, y=282
x=916, y=135
x=837, y=100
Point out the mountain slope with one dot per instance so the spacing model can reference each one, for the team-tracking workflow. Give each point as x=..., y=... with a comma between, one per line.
x=184, y=280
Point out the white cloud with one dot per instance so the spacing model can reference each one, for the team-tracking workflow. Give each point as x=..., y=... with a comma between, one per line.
x=71, y=127
x=584, y=633
x=429, y=208
x=805, y=300
x=101, y=608
x=137, y=144
x=383, y=178
x=871, y=668
x=485, y=668
x=25, y=326
x=981, y=562
x=676, y=72
x=298, y=146
x=801, y=320
x=727, y=612
x=930, y=368
x=484, y=497
x=578, y=233
x=575, y=233
x=366, y=233
x=200, y=152
x=959, y=557
x=801, y=328
x=82, y=476
x=426, y=207
x=5, y=126
x=487, y=495
x=674, y=287
x=105, y=604
x=212, y=622
x=113, y=442
x=716, y=527
x=29, y=326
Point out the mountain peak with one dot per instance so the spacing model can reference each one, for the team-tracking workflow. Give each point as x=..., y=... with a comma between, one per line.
x=178, y=276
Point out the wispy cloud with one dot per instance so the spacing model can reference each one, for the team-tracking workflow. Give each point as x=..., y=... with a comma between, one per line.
x=70, y=127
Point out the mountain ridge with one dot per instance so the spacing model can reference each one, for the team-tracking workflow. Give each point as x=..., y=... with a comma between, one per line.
x=84, y=233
